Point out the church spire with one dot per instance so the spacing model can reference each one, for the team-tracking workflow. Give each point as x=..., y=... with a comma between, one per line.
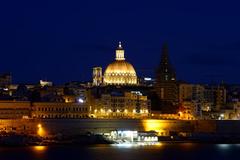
x=166, y=85
x=164, y=56
x=165, y=69
x=119, y=52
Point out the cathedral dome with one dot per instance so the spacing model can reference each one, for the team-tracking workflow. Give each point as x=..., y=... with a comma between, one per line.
x=120, y=72
x=120, y=67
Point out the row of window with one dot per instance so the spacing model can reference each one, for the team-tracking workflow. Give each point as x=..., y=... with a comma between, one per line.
x=14, y=112
x=63, y=116
x=127, y=105
x=81, y=109
x=124, y=100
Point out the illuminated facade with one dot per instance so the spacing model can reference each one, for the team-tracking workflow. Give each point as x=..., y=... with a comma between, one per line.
x=43, y=110
x=59, y=110
x=120, y=72
x=122, y=105
x=97, y=76
x=189, y=110
x=14, y=110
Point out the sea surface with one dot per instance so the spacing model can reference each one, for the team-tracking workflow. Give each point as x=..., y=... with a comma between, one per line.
x=163, y=151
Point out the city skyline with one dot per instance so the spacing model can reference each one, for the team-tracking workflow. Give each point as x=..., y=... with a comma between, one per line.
x=63, y=42
x=119, y=79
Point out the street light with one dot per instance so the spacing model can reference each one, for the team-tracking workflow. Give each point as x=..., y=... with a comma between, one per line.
x=80, y=100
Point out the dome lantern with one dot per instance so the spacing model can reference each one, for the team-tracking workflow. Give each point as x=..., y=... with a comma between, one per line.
x=120, y=52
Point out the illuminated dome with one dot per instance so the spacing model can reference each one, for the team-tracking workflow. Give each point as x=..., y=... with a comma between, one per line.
x=120, y=72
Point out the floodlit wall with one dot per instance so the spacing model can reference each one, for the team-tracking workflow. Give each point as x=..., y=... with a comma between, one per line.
x=46, y=127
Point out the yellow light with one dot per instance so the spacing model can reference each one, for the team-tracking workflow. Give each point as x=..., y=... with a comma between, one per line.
x=180, y=113
x=118, y=111
x=109, y=110
x=134, y=111
x=41, y=132
x=39, y=126
x=95, y=110
x=102, y=110
x=39, y=148
x=159, y=144
x=126, y=111
x=153, y=125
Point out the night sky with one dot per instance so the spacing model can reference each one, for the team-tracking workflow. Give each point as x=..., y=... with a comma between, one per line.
x=62, y=40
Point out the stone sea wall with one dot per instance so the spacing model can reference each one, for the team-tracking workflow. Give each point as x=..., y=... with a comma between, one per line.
x=47, y=127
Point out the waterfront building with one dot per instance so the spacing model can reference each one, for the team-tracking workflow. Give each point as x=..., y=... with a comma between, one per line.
x=39, y=110
x=15, y=109
x=189, y=110
x=166, y=86
x=191, y=99
x=216, y=95
x=231, y=111
x=122, y=105
x=160, y=115
x=48, y=110
x=185, y=92
x=120, y=72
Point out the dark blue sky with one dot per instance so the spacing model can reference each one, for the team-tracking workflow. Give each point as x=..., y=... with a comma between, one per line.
x=62, y=40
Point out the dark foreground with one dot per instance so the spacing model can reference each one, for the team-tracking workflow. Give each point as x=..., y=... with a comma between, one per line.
x=123, y=152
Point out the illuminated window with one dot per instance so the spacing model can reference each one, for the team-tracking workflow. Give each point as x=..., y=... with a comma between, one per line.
x=166, y=77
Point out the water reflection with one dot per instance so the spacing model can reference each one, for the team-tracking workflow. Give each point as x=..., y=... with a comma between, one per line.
x=187, y=146
x=224, y=146
x=186, y=151
x=39, y=149
x=238, y=145
x=132, y=145
x=124, y=145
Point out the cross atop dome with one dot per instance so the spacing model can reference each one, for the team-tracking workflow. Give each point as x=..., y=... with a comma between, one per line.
x=119, y=44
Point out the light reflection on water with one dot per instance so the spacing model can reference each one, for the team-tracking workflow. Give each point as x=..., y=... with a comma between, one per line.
x=123, y=151
x=39, y=148
x=134, y=145
x=224, y=146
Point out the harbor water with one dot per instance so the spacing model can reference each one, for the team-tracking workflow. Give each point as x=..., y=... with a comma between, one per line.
x=186, y=151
